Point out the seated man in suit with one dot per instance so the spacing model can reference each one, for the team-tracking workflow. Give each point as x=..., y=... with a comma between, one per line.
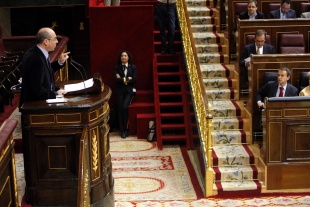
x=257, y=47
x=252, y=12
x=284, y=12
x=280, y=88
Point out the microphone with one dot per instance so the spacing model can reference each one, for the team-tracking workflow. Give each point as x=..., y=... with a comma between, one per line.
x=76, y=68
x=72, y=61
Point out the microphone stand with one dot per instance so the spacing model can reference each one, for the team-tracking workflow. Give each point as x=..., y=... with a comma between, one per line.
x=76, y=68
x=76, y=63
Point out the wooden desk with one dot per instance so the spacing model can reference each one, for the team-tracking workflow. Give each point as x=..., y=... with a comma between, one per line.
x=271, y=63
x=286, y=143
x=51, y=142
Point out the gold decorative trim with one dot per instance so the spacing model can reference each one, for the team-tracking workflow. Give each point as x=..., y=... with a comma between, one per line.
x=46, y=116
x=14, y=176
x=95, y=152
x=295, y=112
x=9, y=190
x=4, y=151
x=93, y=114
x=76, y=118
x=275, y=113
x=106, y=108
x=199, y=100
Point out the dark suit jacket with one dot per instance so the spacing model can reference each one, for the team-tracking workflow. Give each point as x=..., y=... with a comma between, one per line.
x=37, y=77
x=275, y=14
x=121, y=88
x=251, y=49
x=270, y=90
x=245, y=15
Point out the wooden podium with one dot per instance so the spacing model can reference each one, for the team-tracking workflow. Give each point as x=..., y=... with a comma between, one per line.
x=66, y=151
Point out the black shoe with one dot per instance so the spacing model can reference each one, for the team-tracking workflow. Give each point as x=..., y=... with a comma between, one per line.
x=123, y=135
x=126, y=132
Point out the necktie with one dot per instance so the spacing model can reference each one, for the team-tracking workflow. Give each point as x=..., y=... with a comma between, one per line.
x=281, y=92
x=51, y=72
x=258, y=52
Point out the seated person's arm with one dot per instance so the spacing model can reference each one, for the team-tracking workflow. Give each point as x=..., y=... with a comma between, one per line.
x=260, y=96
x=244, y=55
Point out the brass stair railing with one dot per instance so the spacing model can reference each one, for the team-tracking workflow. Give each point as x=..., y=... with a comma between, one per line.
x=201, y=106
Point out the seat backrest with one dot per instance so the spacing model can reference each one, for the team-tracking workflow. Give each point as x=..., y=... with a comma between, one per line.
x=271, y=7
x=238, y=8
x=251, y=38
x=303, y=81
x=270, y=76
x=303, y=7
x=2, y=50
x=291, y=43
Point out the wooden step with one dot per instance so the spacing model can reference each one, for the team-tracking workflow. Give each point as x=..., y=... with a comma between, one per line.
x=138, y=108
x=144, y=96
x=172, y=126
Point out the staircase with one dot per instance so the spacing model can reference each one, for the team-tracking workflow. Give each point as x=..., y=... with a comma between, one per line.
x=233, y=159
x=171, y=95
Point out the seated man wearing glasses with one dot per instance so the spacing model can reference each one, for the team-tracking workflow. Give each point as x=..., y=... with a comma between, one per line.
x=257, y=47
x=284, y=12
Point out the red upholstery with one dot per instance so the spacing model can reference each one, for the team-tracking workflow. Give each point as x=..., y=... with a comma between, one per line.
x=291, y=43
x=2, y=50
x=303, y=7
x=239, y=7
x=95, y=3
x=271, y=7
x=250, y=39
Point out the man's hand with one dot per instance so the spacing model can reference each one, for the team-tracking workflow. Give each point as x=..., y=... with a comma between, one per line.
x=260, y=104
x=63, y=57
x=247, y=64
x=61, y=92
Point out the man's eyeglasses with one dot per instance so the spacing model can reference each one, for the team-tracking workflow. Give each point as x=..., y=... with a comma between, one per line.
x=260, y=41
x=53, y=39
x=286, y=9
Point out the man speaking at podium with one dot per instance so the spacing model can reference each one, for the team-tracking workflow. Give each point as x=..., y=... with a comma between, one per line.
x=37, y=70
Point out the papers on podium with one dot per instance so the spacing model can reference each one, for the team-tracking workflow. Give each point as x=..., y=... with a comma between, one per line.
x=79, y=86
x=56, y=100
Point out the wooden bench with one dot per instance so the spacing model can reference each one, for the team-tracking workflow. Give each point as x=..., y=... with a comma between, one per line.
x=8, y=180
x=286, y=145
